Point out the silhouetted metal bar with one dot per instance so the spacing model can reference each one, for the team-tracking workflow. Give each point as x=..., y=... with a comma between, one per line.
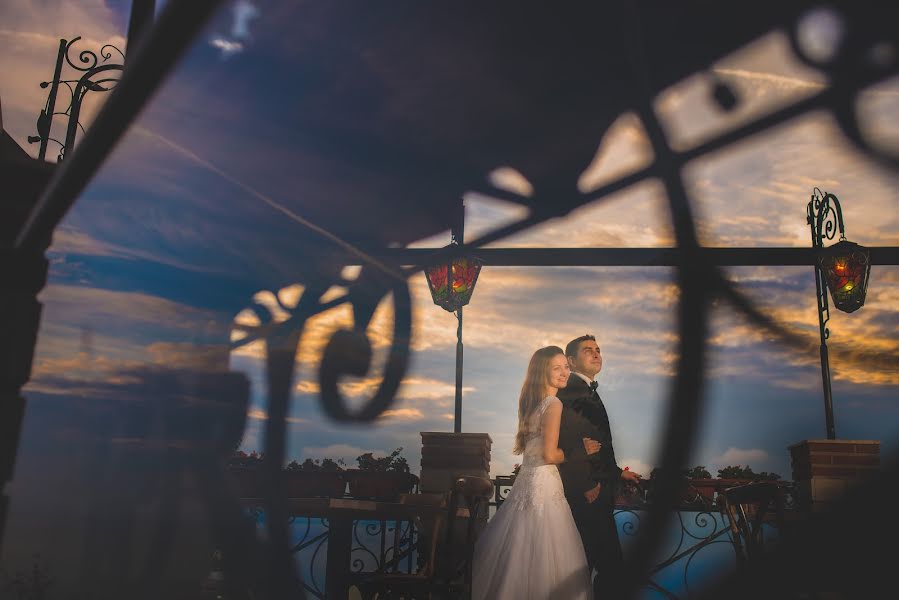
x=457, y=420
x=142, y=12
x=177, y=28
x=819, y=210
x=47, y=116
x=630, y=257
x=458, y=234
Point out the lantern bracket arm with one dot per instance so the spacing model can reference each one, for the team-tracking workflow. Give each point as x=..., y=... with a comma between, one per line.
x=825, y=215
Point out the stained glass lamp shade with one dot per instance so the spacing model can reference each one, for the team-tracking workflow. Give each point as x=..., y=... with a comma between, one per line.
x=465, y=270
x=846, y=266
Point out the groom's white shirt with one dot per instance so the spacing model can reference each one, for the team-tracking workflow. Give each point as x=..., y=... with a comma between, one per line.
x=587, y=380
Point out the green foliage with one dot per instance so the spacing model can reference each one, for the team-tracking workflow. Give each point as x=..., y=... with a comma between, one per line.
x=327, y=464
x=698, y=472
x=242, y=459
x=392, y=462
x=732, y=472
x=741, y=472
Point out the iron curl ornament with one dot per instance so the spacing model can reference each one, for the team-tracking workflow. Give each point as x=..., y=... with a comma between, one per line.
x=861, y=55
x=349, y=352
x=95, y=73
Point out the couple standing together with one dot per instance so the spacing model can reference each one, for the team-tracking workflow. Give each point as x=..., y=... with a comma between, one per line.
x=557, y=524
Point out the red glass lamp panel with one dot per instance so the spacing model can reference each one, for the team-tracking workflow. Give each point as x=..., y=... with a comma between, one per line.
x=846, y=266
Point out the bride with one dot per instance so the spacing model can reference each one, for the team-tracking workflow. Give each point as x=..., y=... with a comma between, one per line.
x=531, y=548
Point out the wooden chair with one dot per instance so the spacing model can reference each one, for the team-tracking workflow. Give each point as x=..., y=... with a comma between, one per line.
x=747, y=507
x=443, y=572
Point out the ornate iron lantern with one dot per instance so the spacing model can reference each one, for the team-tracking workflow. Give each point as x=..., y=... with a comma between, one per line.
x=846, y=266
x=454, y=292
x=452, y=284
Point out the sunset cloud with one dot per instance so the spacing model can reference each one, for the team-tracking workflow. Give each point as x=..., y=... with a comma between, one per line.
x=740, y=456
x=405, y=414
x=261, y=415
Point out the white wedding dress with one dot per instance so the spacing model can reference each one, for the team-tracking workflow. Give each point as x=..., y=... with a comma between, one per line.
x=531, y=548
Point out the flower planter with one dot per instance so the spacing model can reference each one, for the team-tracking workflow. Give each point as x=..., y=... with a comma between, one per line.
x=379, y=485
x=312, y=484
x=247, y=483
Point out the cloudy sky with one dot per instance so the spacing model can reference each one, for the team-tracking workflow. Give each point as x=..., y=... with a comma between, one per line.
x=156, y=263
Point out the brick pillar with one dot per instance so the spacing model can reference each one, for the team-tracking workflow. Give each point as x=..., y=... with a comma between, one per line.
x=445, y=456
x=825, y=469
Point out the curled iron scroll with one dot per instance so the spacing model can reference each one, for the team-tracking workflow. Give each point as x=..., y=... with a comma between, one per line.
x=349, y=351
x=852, y=66
x=89, y=59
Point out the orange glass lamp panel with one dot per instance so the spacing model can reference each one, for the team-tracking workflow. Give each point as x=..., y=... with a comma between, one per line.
x=846, y=267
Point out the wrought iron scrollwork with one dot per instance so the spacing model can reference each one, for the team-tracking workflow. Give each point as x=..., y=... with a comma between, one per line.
x=631, y=523
x=99, y=75
x=349, y=351
x=825, y=216
x=315, y=538
x=372, y=529
x=89, y=59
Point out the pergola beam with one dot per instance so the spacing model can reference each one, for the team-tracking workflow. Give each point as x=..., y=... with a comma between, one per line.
x=628, y=257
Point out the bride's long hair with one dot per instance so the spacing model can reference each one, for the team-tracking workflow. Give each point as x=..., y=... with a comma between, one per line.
x=533, y=391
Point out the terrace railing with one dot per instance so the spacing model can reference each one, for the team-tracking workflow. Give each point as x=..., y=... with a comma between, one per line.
x=704, y=538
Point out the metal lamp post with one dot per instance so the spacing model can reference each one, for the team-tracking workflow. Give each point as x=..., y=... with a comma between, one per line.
x=452, y=284
x=844, y=268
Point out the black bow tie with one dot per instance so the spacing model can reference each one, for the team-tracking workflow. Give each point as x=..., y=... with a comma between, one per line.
x=593, y=385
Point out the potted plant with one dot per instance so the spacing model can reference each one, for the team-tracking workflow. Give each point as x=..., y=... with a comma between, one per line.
x=696, y=488
x=700, y=485
x=381, y=478
x=313, y=478
x=308, y=479
x=733, y=476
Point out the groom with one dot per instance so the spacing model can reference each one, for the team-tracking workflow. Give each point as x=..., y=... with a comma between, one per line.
x=590, y=481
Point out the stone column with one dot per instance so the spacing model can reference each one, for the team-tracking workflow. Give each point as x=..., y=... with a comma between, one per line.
x=825, y=469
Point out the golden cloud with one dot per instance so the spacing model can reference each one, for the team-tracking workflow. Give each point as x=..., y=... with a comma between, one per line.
x=637, y=216
x=403, y=414
x=260, y=415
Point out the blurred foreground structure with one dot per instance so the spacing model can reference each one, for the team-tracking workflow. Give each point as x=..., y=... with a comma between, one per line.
x=395, y=133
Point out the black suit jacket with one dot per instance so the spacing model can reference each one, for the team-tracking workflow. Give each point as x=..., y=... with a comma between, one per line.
x=584, y=415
